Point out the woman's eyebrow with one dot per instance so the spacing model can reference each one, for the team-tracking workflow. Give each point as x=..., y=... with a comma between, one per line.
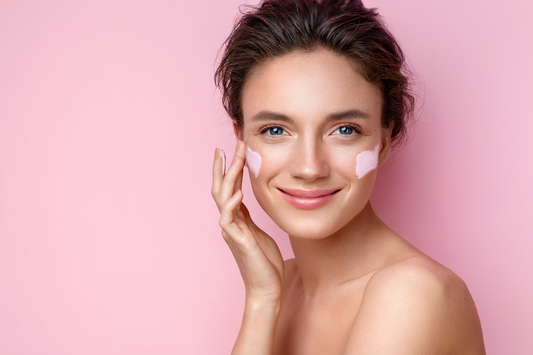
x=347, y=114
x=275, y=116
x=269, y=115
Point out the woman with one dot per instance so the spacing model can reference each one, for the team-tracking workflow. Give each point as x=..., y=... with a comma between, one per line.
x=318, y=96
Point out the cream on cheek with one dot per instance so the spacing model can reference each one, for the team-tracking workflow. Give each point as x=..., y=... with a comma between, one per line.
x=367, y=161
x=253, y=160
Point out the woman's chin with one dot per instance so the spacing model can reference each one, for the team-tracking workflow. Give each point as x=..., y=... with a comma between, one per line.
x=309, y=230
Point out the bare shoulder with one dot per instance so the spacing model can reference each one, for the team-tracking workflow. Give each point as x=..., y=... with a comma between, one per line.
x=419, y=275
x=416, y=306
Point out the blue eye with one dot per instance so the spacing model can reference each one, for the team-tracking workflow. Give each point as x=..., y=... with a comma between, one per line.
x=275, y=131
x=346, y=130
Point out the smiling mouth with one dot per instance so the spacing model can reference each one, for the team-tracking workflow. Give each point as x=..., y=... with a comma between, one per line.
x=307, y=199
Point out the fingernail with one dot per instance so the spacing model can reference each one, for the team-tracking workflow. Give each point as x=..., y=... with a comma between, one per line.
x=223, y=156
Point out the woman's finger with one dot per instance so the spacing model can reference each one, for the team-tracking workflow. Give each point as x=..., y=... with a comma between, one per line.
x=234, y=228
x=227, y=211
x=232, y=175
x=219, y=168
x=238, y=181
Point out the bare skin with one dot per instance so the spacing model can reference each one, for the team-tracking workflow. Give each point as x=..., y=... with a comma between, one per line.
x=354, y=286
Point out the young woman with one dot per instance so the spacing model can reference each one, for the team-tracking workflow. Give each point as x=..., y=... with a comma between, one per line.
x=317, y=94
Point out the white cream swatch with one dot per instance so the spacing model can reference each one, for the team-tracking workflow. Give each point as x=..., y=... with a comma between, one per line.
x=253, y=160
x=367, y=161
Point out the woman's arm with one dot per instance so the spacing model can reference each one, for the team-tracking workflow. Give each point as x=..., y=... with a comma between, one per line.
x=258, y=328
x=257, y=255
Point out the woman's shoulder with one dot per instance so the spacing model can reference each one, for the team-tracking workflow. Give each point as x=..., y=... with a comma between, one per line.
x=421, y=305
x=417, y=273
x=426, y=288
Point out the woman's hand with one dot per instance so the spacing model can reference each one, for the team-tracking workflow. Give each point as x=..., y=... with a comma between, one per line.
x=257, y=255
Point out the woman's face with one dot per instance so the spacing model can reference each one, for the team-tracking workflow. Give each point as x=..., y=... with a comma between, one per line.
x=312, y=126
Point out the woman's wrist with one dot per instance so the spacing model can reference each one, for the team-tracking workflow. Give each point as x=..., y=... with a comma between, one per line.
x=262, y=305
x=258, y=327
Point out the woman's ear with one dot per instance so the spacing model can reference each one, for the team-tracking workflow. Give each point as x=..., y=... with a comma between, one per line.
x=237, y=131
x=385, y=144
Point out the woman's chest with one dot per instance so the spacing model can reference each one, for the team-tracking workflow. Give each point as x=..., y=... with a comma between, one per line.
x=318, y=326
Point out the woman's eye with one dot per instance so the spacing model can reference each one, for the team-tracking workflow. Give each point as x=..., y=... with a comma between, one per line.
x=274, y=131
x=346, y=130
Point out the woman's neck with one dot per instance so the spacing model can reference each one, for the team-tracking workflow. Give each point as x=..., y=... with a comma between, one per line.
x=352, y=252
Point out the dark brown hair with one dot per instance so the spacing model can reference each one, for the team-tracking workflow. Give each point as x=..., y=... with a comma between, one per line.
x=346, y=27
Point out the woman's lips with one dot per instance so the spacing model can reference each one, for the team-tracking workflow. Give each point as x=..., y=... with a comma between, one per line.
x=307, y=199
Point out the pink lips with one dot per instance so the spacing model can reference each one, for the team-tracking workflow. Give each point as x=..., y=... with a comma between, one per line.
x=307, y=199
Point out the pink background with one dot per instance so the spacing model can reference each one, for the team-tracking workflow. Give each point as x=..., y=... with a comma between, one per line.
x=109, y=242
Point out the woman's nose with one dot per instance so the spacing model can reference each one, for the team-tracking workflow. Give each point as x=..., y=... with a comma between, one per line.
x=309, y=162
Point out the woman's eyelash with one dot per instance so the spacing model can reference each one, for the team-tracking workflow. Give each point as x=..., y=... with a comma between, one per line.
x=280, y=130
x=354, y=127
x=265, y=129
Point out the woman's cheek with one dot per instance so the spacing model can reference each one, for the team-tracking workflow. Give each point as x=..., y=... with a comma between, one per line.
x=267, y=161
x=367, y=161
x=253, y=160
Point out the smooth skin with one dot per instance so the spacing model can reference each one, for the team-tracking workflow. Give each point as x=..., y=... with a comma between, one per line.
x=354, y=286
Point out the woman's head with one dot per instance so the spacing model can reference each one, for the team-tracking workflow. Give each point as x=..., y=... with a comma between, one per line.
x=314, y=136
x=345, y=27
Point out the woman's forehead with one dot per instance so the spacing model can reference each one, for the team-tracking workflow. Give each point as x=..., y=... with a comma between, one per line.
x=318, y=83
